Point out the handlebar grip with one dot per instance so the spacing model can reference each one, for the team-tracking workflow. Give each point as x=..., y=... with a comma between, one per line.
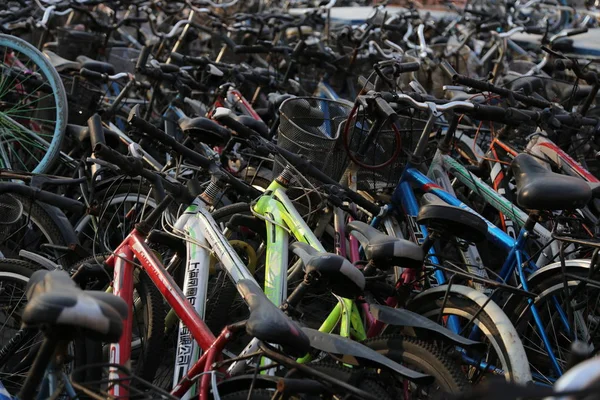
x=394, y=28
x=167, y=140
x=143, y=57
x=408, y=67
x=490, y=113
x=225, y=118
x=576, y=31
x=136, y=19
x=89, y=74
x=96, y=131
x=177, y=57
x=539, y=30
x=360, y=201
x=56, y=200
x=228, y=41
x=241, y=49
x=386, y=110
x=129, y=165
x=448, y=69
x=515, y=115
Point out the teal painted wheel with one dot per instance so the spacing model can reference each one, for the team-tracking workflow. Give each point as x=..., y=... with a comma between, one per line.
x=33, y=108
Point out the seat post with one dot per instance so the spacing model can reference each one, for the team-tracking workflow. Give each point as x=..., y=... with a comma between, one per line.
x=532, y=219
x=41, y=362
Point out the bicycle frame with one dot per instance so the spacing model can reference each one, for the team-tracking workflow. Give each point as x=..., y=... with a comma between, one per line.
x=200, y=225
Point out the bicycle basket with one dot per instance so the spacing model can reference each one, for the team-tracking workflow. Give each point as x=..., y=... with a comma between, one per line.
x=11, y=210
x=72, y=43
x=108, y=376
x=123, y=59
x=379, y=154
x=311, y=127
x=82, y=98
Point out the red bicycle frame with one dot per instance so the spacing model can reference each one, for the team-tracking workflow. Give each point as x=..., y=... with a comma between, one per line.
x=120, y=353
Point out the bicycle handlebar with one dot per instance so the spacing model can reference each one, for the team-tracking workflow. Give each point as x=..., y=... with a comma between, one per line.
x=56, y=200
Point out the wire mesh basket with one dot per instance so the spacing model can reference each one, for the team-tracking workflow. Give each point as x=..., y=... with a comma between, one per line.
x=83, y=98
x=98, y=380
x=382, y=154
x=72, y=43
x=123, y=59
x=11, y=210
x=311, y=127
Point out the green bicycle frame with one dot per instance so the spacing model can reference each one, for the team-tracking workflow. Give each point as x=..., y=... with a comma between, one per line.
x=282, y=219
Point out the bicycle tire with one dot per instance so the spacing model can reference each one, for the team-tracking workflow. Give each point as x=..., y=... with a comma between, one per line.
x=145, y=364
x=421, y=356
x=59, y=94
x=53, y=234
x=495, y=325
x=549, y=289
x=24, y=352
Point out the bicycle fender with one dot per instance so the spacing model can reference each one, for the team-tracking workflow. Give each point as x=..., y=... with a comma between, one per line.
x=355, y=353
x=421, y=326
x=520, y=370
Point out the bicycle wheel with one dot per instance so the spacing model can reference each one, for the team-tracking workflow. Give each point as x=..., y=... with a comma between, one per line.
x=40, y=231
x=148, y=324
x=33, y=108
x=18, y=347
x=505, y=355
x=423, y=357
x=563, y=323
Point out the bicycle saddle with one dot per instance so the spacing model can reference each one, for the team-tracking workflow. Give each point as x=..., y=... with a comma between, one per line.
x=541, y=189
x=254, y=124
x=205, y=130
x=54, y=299
x=337, y=273
x=440, y=216
x=386, y=251
x=61, y=64
x=268, y=323
x=96, y=66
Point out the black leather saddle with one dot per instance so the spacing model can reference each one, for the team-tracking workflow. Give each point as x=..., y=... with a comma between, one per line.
x=386, y=251
x=268, y=323
x=254, y=124
x=335, y=272
x=55, y=300
x=441, y=217
x=61, y=64
x=541, y=189
x=205, y=130
x=96, y=66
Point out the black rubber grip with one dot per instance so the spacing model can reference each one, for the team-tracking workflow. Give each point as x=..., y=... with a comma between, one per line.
x=64, y=203
x=385, y=109
x=394, y=28
x=576, y=31
x=488, y=87
x=89, y=74
x=407, y=67
x=242, y=130
x=489, y=113
x=515, y=115
x=538, y=30
x=157, y=134
x=241, y=49
x=227, y=40
x=129, y=165
x=96, y=130
x=143, y=57
x=177, y=57
x=448, y=69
